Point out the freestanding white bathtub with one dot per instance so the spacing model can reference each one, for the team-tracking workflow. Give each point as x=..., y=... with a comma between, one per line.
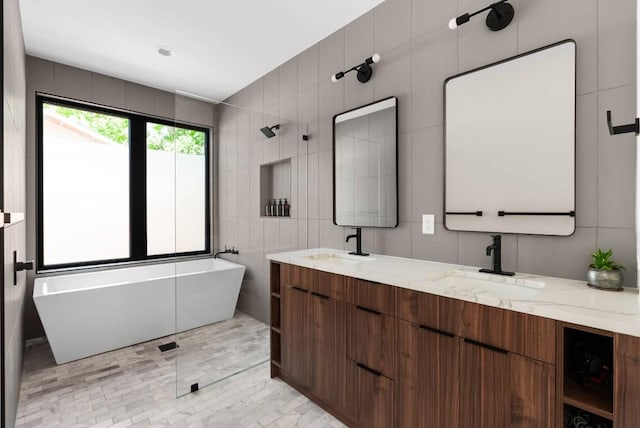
x=90, y=313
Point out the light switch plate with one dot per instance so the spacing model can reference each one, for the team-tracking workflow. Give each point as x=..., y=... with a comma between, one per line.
x=428, y=224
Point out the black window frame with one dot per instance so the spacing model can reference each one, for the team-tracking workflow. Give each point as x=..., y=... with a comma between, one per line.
x=137, y=183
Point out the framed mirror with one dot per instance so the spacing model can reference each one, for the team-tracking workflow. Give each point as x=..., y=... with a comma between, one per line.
x=510, y=145
x=365, y=165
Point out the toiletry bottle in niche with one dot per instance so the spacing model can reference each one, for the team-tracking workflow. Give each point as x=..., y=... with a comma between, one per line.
x=286, y=208
x=273, y=208
x=267, y=208
x=279, y=207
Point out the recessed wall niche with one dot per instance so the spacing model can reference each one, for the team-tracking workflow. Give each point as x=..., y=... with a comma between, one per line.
x=275, y=184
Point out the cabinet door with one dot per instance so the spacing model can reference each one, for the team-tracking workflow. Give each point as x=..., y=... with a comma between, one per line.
x=371, y=397
x=328, y=347
x=627, y=381
x=498, y=388
x=532, y=393
x=484, y=386
x=428, y=369
x=296, y=334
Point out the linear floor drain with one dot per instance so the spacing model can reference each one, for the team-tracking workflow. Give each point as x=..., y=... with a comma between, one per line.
x=168, y=346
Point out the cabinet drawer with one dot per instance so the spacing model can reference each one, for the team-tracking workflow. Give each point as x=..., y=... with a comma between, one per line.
x=524, y=334
x=371, y=340
x=296, y=276
x=329, y=285
x=441, y=313
x=371, y=295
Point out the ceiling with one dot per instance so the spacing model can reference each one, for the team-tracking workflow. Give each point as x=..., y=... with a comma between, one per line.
x=219, y=46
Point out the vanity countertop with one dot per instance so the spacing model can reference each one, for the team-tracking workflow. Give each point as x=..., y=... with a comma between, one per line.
x=559, y=299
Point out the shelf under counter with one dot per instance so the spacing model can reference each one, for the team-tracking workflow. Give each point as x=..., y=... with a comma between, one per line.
x=595, y=402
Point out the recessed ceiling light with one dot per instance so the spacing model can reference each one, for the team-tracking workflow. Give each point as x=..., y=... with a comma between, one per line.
x=165, y=51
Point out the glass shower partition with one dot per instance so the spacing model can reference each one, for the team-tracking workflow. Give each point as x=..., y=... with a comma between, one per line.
x=211, y=196
x=160, y=243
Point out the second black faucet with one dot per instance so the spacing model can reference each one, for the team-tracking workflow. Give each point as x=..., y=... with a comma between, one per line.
x=496, y=248
x=358, y=236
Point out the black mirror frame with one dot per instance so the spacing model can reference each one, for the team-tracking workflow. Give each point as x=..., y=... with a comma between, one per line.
x=333, y=157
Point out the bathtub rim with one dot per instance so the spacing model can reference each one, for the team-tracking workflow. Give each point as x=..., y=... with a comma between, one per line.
x=38, y=285
x=125, y=264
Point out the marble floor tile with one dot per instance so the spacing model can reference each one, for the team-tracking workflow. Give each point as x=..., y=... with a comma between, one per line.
x=137, y=386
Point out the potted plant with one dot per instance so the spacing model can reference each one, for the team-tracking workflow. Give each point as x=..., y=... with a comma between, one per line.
x=604, y=273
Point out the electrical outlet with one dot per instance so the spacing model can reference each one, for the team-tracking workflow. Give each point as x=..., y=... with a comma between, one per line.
x=428, y=224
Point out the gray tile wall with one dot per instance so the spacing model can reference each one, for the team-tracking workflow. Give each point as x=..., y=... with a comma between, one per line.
x=13, y=170
x=418, y=53
x=58, y=79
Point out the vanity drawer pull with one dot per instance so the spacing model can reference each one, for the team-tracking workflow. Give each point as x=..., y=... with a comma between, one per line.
x=435, y=330
x=295, y=287
x=362, y=308
x=322, y=296
x=372, y=371
x=484, y=345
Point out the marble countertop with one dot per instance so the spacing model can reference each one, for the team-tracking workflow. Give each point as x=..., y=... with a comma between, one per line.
x=559, y=299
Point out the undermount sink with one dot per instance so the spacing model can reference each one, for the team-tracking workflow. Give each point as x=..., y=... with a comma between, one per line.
x=340, y=258
x=476, y=279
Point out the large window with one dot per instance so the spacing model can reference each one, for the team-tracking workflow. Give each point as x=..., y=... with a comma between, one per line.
x=117, y=186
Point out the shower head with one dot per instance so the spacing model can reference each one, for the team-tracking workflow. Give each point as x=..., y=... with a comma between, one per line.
x=268, y=131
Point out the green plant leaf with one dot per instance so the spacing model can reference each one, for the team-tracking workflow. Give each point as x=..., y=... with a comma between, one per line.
x=602, y=260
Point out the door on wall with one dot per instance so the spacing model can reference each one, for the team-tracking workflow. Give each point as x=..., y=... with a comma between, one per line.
x=13, y=239
x=12, y=208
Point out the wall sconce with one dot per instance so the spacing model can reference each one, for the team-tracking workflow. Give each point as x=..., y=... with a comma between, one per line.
x=364, y=70
x=500, y=16
x=268, y=130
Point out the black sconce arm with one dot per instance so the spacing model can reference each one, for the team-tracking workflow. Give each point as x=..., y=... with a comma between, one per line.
x=363, y=70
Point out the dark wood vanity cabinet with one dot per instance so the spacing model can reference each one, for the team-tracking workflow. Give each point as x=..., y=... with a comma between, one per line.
x=382, y=356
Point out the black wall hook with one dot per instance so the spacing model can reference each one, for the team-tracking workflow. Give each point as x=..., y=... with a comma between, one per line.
x=622, y=129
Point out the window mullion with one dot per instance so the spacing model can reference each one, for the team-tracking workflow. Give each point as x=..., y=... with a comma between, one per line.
x=138, y=188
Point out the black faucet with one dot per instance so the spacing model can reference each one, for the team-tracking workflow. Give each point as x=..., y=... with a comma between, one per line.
x=226, y=251
x=496, y=247
x=358, y=236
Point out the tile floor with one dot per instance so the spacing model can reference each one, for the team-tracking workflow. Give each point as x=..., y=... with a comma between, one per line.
x=136, y=386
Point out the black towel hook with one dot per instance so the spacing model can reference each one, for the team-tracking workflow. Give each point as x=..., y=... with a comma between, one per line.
x=622, y=129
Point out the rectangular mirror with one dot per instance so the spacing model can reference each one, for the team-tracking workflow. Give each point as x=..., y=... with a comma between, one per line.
x=365, y=165
x=510, y=145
